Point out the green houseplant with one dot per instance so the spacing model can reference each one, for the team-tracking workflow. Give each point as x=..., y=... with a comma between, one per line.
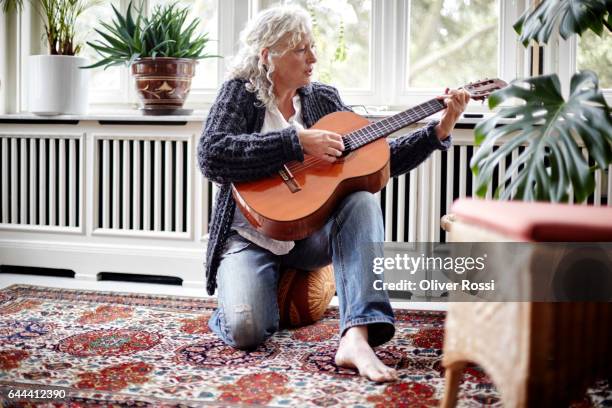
x=550, y=128
x=162, y=45
x=56, y=85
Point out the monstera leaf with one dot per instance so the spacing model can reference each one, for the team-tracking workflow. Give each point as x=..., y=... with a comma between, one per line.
x=552, y=130
x=576, y=17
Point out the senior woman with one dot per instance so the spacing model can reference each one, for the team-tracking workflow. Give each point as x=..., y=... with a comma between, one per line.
x=258, y=123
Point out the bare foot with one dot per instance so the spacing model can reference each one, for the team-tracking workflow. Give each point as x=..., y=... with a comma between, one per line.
x=355, y=352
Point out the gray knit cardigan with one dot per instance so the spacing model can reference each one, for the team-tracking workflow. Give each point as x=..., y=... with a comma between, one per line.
x=231, y=149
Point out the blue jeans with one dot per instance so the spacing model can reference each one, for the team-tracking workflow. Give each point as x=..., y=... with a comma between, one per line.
x=247, y=278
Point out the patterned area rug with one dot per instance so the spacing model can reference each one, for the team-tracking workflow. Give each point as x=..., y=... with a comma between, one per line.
x=103, y=349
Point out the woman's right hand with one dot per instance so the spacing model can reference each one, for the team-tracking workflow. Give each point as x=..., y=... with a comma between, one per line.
x=321, y=144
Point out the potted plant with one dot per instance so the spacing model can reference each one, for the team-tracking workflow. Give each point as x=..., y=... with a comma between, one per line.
x=162, y=51
x=548, y=126
x=56, y=85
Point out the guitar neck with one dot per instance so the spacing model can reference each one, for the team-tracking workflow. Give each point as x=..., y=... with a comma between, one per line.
x=384, y=127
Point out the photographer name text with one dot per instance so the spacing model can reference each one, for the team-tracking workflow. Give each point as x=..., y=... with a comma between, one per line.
x=433, y=284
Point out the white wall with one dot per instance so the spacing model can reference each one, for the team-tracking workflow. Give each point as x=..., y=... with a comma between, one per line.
x=3, y=61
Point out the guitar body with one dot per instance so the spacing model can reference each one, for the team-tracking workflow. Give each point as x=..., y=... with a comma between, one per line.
x=274, y=209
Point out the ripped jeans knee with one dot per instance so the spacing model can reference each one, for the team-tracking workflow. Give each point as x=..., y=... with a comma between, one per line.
x=246, y=328
x=247, y=280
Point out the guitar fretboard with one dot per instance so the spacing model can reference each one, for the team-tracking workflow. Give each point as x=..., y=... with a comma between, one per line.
x=384, y=127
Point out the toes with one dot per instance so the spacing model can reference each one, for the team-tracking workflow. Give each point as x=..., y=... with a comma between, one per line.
x=389, y=374
x=380, y=374
x=388, y=371
x=376, y=375
x=392, y=374
x=363, y=358
x=385, y=376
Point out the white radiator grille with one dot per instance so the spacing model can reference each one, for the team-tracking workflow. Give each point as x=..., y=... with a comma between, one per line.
x=142, y=184
x=41, y=179
x=398, y=201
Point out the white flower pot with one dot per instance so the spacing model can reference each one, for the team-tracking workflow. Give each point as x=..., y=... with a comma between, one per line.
x=57, y=86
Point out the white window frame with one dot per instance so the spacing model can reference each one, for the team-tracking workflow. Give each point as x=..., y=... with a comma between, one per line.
x=388, y=65
x=4, y=83
x=10, y=61
x=21, y=37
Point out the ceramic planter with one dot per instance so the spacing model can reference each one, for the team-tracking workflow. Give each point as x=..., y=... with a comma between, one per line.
x=56, y=85
x=163, y=84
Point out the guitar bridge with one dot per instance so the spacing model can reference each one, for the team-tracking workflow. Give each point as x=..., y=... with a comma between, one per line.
x=289, y=179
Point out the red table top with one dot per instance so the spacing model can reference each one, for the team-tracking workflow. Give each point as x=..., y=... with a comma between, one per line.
x=544, y=222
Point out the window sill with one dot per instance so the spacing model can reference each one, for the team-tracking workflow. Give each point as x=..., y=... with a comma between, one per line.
x=469, y=119
x=108, y=116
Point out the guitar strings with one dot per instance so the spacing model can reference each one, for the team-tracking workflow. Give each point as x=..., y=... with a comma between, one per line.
x=365, y=135
x=308, y=162
x=372, y=132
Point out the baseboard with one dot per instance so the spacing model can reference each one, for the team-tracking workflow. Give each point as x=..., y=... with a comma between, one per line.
x=89, y=260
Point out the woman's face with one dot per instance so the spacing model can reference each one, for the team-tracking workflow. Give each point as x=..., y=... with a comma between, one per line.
x=293, y=68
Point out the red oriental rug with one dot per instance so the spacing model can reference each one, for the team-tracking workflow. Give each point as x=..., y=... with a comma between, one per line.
x=104, y=349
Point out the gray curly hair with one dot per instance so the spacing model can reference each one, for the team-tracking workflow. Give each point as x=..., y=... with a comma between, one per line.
x=267, y=30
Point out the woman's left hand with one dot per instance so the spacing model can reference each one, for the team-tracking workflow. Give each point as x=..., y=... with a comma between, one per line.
x=456, y=100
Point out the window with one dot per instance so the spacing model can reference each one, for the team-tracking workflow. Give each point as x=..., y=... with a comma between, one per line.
x=342, y=31
x=114, y=85
x=206, y=11
x=402, y=52
x=104, y=85
x=377, y=52
x=588, y=51
x=595, y=53
x=452, y=42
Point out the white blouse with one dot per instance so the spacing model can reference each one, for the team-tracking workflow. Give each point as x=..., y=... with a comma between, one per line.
x=274, y=120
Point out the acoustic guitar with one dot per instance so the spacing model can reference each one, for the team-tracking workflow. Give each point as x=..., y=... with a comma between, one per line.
x=300, y=198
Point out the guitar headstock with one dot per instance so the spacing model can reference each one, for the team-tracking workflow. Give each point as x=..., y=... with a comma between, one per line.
x=480, y=90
